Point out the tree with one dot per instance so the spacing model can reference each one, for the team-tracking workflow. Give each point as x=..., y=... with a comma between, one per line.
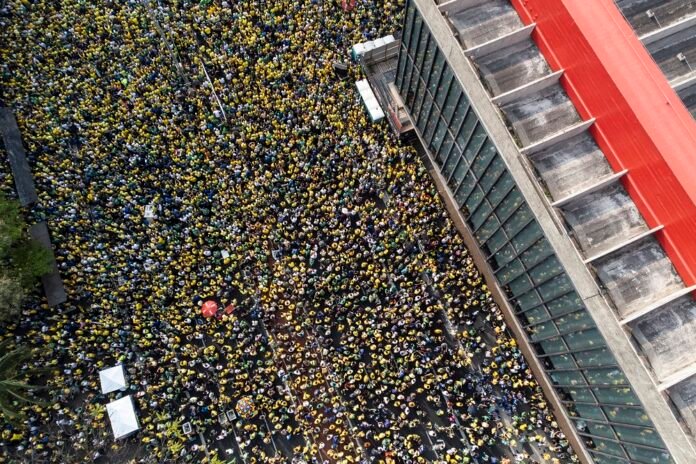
x=22, y=259
x=15, y=393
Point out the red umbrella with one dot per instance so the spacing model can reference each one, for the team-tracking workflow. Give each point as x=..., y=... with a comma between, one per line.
x=209, y=308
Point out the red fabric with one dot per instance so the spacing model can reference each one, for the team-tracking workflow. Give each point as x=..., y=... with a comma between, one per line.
x=209, y=308
x=229, y=309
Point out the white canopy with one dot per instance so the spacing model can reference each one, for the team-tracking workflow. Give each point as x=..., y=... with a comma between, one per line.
x=112, y=379
x=370, y=100
x=122, y=416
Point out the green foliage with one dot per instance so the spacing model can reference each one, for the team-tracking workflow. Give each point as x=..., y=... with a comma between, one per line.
x=11, y=224
x=31, y=260
x=15, y=393
x=22, y=259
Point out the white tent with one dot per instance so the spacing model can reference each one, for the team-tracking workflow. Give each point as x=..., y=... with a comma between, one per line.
x=122, y=416
x=112, y=379
x=370, y=100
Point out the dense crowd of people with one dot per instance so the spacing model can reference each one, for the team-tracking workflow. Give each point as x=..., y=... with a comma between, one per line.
x=359, y=329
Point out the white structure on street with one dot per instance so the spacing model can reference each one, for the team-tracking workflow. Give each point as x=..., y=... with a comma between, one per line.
x=122, y=417
x=113, y=379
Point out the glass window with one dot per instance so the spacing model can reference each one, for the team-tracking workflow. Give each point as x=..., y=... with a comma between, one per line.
x=640, y=436
x=475, y=143
x=430, y=52
x=530, y=300
x=534, y=316
x=439, y=136
x=605, y=376
x=577, y=394
x=645, y=455
x=408, y=24
x=465, y=188
x=508, y=206
x=418, y=64
x=501, y=187
x=510, y=271
x=474, y=198
x=616, y=395
x=579, y=320
x=521, y=285
x=451, y=102
x=534, y=249
x=564, y=304
x=545, y=270
x=407, y=77
x=443, y=87
x=587, y=411
x=541, y=330
x=529, y=235
x=423, y=116
x=466, y=130
x=633, y=416
x=401, y=67
x=595, y=358
x=492, y=174
x=460, y=113
x=584, y=340
x=483, y=158
x=567, y=378
x=438, y=66
x=483, y=211
x=432, y=124
x=457, y=166
x=559, y=285
x=502, y=256
x=598, y=430
x=487, y=229
x=521, y=217
x=609, y=447
x=561, y=361
x=411, y=66
x=416, y=108
x=445, y=148
x=553, y=345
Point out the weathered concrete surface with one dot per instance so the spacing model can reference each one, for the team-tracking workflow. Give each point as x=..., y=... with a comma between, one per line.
x=52, y=283
x=24, y=180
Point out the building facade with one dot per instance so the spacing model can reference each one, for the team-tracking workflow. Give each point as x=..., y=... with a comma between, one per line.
x=600, y=289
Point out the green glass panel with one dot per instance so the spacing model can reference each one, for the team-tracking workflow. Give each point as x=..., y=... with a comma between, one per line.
x=647, y=456
x=564, y=304
x=561, y=361
x=584, y=340
x=557, y=286
x=620, y=395
x=640, y=436
x=579, y=320
x=605, y=376
x=633, y=416
x=595, y=358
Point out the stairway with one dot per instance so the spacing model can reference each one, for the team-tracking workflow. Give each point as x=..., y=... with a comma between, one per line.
x=612, y=237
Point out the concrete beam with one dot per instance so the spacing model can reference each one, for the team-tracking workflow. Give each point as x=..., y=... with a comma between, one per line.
x=592, y=188
x=657, y=305
x=623, y=244
x=454, y=6
x=679, y=376
x=501, y=42
x=654, y=36
x=683, y=82
x=558, y=137
x=527, y=89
